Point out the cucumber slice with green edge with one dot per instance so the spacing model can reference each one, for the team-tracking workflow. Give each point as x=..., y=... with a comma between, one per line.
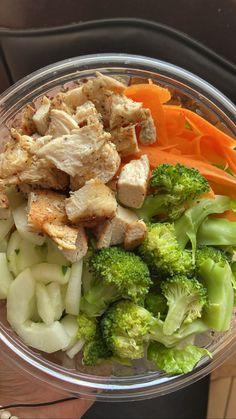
x=21, y=299
x=50, y=272
x=6, y=277
x=47, y=338
x=70, y=325
x=15, y=197
x=54, y=255
x=44, y=304
x=73, y=293
x=21, y=223
x=5, y=227
x=22, y=254
x=54, y=292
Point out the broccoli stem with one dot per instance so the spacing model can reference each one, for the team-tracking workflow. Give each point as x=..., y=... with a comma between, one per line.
x=152, y=206
x=157, y=334
x=95, y=301
x=217, y=232
x=175, y=315
x=187, y=225
x=217, y=279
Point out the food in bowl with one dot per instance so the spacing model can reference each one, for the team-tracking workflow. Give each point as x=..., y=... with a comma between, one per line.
x=117, y=210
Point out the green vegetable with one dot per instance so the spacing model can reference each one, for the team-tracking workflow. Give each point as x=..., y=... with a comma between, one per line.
x=187, y=225
x=174, y=186
x=94, y=347
x=185, y=298
x=217, y=232
x=173, y=360
x=157, y=305
x=116, y=274
x=162, y=253
x=215, y=273
x=125, y=327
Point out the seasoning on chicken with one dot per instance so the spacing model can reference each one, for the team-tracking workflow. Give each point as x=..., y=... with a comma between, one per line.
x=113, y=231
x=46, y=213
x=4, y=206
x=104, y=167
x=87, y=114
x=70, y=153
x=123, y=111
x=81, y=247
x=41, y=116
x=148, y=133
x=91, y=204
x=132, y=183
x=61, y=123
x=125, y=140
x=135, y=234
x=27, y=124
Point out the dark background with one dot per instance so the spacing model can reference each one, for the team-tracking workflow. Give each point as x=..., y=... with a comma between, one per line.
x=210, y=22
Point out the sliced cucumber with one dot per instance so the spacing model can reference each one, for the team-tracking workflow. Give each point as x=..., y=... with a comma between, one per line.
x=5, y=227
x=70, y=325
x=50, y=272
x=16, y=198
x=21, y=223
x=76, y=348
x=6, y=277
x=54, y=292
x=22, y=254
x=48, y=338
x=73, y=293
x=54, y=255
x=4, y=244
x=44, y=304
x=21, y=299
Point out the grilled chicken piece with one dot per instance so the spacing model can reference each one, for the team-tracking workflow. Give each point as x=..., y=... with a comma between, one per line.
x=4, y=206
x=70, y=153
x=133, y=181
x=27, y=124
x=104, y=167
x=125, y=140
x=113, y=231
x=87, y=114
x=19, y=164
x=61, y=123
x=74, y=97
x=46, y=213
x=148, y=133
x=46, y=207
x=123, y=111
x=135, y=234
x=41, y=116
x=91, y=204
x=81, y=247
x=63, y=235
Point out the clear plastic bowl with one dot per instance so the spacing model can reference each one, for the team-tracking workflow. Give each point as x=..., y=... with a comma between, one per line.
x=108, y=382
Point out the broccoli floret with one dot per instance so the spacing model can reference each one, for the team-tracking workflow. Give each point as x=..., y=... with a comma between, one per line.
x=94, y=347
x=162, y=253
x=214, y=272
x=185, y=298
x=125, y=328
x=116, y=274
x=187, y=225
x=157, y=305
x=174, y=360
x=217, y=232
x=174, y=186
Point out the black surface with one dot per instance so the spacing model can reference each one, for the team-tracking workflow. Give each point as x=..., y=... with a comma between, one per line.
x=26, y=51
x=188, y=403
x=209, y=21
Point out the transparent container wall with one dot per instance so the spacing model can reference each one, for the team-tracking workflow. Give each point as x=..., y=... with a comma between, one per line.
x=114, y=381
